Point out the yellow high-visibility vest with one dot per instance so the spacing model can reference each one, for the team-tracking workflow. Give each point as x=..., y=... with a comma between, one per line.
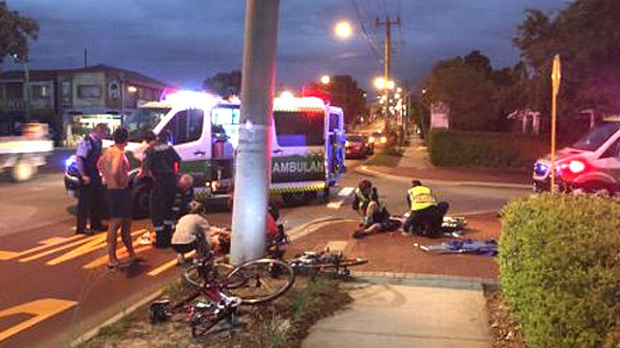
x=361, y=198
x=421, y=197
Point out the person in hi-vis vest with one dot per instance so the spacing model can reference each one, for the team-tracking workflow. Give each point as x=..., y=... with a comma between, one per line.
x=426, y=213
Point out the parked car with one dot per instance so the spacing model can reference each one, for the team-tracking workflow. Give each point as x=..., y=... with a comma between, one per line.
x=358, y=146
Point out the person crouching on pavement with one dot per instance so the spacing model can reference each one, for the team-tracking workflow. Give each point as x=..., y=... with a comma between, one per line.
x=188, y=229
x=426, y=214
x=114, y=166
x=376, y=217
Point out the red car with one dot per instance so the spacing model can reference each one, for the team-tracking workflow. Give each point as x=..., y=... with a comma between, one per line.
x=358, y=146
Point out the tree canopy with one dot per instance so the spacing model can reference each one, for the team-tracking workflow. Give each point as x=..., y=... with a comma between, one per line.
x=16, y=31
x=224, y=84
x=586, y=34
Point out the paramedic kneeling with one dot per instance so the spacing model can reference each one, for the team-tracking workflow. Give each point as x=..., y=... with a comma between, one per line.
x=426, y=215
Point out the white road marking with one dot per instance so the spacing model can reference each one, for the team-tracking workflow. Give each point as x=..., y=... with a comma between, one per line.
x=335, y=205
x=346, y=191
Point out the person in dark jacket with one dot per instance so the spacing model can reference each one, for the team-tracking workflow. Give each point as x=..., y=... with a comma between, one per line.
x=161, y=161
x=91, y=201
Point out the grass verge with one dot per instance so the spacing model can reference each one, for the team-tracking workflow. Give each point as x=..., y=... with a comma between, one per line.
x=282, y=323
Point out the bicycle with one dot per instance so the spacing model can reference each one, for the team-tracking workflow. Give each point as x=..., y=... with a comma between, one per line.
x=310, y=263
x=226, y=288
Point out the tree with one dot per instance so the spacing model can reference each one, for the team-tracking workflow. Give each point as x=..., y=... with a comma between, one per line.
x=586, y=35
x=224, y=84
x=16, y=31
x=343, y=91
x=464, y=85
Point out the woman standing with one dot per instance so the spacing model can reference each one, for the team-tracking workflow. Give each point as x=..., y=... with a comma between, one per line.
x=114, y=167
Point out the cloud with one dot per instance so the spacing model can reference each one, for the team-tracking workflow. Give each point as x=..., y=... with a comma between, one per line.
x=184, y=41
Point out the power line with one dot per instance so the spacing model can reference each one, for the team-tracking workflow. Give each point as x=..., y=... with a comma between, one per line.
x=371, y=43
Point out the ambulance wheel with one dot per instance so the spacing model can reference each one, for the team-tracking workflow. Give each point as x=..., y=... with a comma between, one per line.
x=298, y=198
x=23, y=171
x=141, y=201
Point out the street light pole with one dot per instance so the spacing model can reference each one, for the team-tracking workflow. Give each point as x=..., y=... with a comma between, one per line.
x=387, y=57
x=24, y=63
x=253, y=162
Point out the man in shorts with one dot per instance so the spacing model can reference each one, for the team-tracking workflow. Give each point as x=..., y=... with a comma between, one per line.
x=114, y=166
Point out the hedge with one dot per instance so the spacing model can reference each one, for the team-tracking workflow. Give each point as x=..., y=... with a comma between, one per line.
x=559, y=259
x=486, y=149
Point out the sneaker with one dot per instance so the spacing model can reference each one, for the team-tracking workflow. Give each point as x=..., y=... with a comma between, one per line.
x=84, y=232
x=100, y=228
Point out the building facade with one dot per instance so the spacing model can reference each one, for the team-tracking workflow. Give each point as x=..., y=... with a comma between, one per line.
x=71, y=101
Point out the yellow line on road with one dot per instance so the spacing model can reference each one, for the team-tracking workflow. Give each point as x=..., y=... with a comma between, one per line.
x=85, y=249
x=47, y=243
x=97, y=238
x=40, y=309
x=121, y=253
x=168, y=265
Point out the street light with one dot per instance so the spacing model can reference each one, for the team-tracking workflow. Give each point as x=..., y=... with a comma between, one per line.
x=325, y=79
x=391, y=84
x=132, y=89
x=343, y=29
x=380, y=83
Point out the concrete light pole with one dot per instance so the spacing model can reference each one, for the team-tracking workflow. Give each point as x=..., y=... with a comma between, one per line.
x=253, y=162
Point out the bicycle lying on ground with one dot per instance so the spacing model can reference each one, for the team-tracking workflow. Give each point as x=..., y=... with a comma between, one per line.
x=311, y=263
x=225, y=288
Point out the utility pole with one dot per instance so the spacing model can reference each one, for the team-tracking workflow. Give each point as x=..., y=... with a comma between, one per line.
x=253, y=161
x=387, y=58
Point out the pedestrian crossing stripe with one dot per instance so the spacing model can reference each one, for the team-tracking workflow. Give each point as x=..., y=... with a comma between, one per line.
x=83, y=245
x=37, y=311
x=47, y=243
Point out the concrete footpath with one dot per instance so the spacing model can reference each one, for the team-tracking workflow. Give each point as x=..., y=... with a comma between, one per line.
x=406, y=316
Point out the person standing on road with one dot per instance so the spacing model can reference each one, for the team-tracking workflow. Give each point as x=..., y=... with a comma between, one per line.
x=114, y=166
x=425, y=211
x=91, y=202
x=162, y=162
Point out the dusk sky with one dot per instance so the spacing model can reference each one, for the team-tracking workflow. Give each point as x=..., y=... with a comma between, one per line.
x=184, y=41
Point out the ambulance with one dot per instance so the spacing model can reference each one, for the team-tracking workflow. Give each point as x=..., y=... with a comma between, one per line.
x=307, y=145
x=590, y=166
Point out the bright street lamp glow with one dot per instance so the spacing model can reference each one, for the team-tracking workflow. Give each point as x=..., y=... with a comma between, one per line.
x=398, y=90
x=343, y=29
x=397, y=96
x=325, y=79
x=391, y=85
x=132, y=89
x=379, y=83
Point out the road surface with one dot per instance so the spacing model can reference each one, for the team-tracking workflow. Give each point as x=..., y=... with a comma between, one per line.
x=55, y=285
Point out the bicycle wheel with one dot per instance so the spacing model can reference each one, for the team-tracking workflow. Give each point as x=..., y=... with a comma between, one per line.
x=259, y=281
x=192, y=276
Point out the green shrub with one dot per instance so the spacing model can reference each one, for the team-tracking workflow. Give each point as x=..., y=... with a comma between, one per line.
x=485, y=149
x=560, y=269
